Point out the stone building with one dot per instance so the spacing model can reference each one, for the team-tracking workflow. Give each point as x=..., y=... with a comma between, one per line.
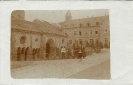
x=92, y=30
x=40, y=40
x=36, y=40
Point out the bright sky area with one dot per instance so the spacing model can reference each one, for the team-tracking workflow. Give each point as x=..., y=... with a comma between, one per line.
x=56, y=16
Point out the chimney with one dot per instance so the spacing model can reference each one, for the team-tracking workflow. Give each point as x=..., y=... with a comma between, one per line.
x=92, y=15
x=105, y=14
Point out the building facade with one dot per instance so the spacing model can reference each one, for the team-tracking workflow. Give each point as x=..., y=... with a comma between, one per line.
x=92, y=31
x=37, y=40
x=40, y=40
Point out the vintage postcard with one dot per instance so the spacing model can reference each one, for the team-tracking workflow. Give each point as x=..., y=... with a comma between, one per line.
x=68, y=42
x=60, y=44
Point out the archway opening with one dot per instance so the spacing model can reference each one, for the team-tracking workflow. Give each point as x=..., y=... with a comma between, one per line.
x=47, y=50
x=50, y=49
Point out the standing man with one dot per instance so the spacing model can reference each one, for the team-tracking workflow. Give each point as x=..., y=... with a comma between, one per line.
x=33, y=54
x=83, y=51
x=26, y=54
x=80, y=54
x=63, y=51
x=38, y=52
x=18, y=54
x=76, y=51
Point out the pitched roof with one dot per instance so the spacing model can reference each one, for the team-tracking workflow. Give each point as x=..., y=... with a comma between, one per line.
x=35, y=26
x=84, y=21
x=24, y=25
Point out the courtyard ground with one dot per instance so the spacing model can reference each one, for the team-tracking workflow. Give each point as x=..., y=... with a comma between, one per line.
x=66, y=68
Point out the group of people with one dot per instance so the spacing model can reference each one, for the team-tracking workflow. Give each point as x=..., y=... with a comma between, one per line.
x=74, y=52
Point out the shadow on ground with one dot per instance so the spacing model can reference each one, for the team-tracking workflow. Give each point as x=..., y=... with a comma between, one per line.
x=100, y=71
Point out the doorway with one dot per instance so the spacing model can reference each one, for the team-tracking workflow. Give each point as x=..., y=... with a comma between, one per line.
x=50, y=49
x=47, y=50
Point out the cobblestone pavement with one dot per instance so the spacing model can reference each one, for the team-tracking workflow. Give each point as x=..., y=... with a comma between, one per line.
x=59, y=68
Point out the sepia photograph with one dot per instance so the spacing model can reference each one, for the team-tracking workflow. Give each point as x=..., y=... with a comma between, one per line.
x=64, y=44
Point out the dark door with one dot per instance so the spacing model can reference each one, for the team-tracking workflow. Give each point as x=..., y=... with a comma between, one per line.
x=47, y=49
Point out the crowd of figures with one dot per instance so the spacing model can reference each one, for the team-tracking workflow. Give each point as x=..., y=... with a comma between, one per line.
x=24, y=52
x=68, y=52
x=78, y=52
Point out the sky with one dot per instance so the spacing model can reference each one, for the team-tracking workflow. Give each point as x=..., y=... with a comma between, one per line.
x=56, y=16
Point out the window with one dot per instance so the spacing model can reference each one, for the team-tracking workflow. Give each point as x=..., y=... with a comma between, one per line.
x=23, y=39
x=75, y=33
x=88, y=24
x=96, y=32
x=91, y=32
x=97, y=23
x=79, y=32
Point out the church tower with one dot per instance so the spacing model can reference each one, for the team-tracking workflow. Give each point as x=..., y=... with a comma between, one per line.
x=68, y=16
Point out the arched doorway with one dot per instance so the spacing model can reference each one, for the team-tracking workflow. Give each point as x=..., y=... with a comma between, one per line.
x=50, y=49
x=18, y=53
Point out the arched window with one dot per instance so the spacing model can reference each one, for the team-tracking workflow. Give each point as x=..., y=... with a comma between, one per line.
x=23, y=39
